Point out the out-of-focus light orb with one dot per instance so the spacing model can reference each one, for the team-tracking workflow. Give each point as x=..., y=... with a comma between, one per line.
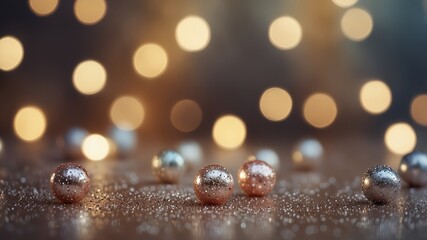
x=400, y=138
x=345, y=3
x=29, y=123
x=89, y=77
x=307, y=154
x=269, y=156
x=150, y=60
x=375, y=97
x=192, y=153
x=125, y=141
x=74, y=139
x=229, y=132
x=11, y=53
x=356, y=24
x=127, y=113
x=275, y=104
x=43, y=7
x=90, y=12
x=419, y=109
x=95, y=147
x=285, y=33
x=186, y=115
x=320, y=110
x=193, y=33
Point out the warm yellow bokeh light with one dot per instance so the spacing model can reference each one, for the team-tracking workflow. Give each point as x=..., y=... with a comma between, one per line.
x=29, y=123
x=400, y=138
x=186, y=115
x=11, y=53
x=356, y=24
x=150, y=60
x=285, y=33
x=43, y=7
x=229, y=132
x=320, y=110
x=344, y=3
x=127, y=113
x=193, y=33
x=375, y=97
x=90, y=12
x=95, y=147
x=419, y=109
x=89, y=77
x=275, y=104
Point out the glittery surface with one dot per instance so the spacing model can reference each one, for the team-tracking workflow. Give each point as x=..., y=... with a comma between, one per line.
x=413, y=169
x=213, y=185
x=125, y=201
x=256, y=178
x=168, y=166
x=381, y=184
x=70, y=182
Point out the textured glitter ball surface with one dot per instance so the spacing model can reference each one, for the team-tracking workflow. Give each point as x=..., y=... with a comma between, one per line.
x=213, y=185
x=70, y=182
x=381, y=184
x=256, y=178
x=168, y=166
x=413, y=169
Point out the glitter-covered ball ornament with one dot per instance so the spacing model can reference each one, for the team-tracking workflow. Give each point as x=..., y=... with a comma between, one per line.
x=213, y=185
x=168, y=166
x=307, y=154
x=70, y=182
x=413, y=169
x=381, y=184
x=256, y=178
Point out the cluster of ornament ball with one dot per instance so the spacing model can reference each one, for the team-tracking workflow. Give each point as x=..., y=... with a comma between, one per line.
x=381, y=184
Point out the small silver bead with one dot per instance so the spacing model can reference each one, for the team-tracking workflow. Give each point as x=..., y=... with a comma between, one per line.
x=307, y=154
x=413, y=169
x=381, y=184
x=168, y=166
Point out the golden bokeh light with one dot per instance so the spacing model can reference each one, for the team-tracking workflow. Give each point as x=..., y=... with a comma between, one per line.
x=345, y=3
x=356, y=24
x=400, y=138
x=95, y=147
x=186, y=115
x=419, y=109
x=150, y=60
x=275, y=104
x=375, y=97
x=193, y=33
x=11, y=53
x=29, y=123
x=43, y=7
x=90, y=12
x=229, y=132
x=285, y=33
x=127, y=113
x=320, y=110
x=89, y=77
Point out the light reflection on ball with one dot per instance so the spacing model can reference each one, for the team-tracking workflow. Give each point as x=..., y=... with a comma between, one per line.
x=381, y=184
x=256, y=178
x=307, y=154
x=168, y=166
x=213, y=185
x=413, y=169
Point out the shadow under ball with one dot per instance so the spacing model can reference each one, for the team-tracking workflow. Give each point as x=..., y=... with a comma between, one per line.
x=256, y=178
x=168, y=166
x=413, y=169
x=213, y=185
x=70, y=182
x=381, y=184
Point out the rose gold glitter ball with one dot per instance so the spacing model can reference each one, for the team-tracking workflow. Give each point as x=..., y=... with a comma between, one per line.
x=256, y=178
x=70, y=182
x=213, y=185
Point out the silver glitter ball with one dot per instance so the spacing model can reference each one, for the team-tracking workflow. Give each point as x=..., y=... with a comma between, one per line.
x=381, y=184
x=168, y=166
x=413, y=169
x=307, y=154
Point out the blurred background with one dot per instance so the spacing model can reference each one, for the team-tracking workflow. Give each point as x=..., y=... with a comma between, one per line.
x=228, y=73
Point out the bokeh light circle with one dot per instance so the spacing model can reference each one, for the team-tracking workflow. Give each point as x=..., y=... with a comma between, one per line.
x=90, y=12
x=95, y=147
x=29, y=123
x=11, y=53
x=419, y=109
x=275, y=104
x=375, y=97
x=320, y=110
x=89, y=77
x=285, y=33
x=193, y=33
x=356, y=24
x=229, y=132
x=150, y=60
x=186, y=115
x=127, y=113
x=400, y=138
x=43, y=7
